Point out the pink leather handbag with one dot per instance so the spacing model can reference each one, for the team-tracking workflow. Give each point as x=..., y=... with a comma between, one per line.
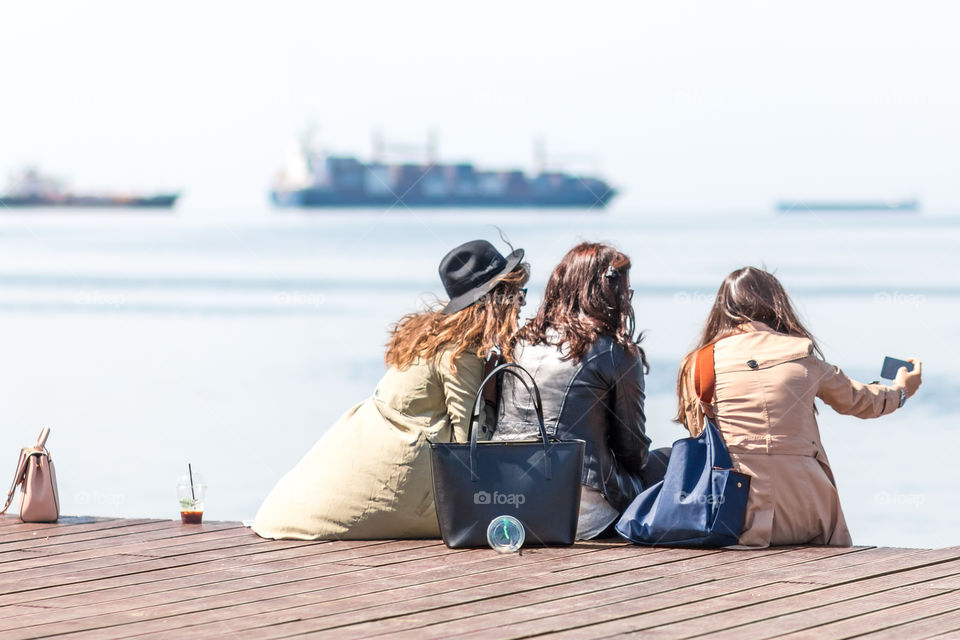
x=39, y=501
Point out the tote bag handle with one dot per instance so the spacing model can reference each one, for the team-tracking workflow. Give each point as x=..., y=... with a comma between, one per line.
x=477, y=416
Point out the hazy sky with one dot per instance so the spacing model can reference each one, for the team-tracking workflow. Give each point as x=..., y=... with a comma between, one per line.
x=681, y=104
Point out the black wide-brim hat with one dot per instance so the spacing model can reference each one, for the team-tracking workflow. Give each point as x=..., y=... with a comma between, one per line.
x=471, y=270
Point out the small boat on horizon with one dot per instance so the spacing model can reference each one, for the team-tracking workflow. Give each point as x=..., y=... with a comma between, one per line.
x=30, y=188
x=907, y=205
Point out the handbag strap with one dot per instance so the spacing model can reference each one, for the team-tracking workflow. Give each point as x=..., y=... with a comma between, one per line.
x=704, y=376
x=517, y=372
x=26, y=453
x=17, y=478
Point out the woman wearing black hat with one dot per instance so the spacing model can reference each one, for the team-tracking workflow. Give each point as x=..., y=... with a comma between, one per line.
x=369, y=476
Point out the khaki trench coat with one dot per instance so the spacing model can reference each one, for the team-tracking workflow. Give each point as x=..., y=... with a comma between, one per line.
x=768, y=420
x=369, y=476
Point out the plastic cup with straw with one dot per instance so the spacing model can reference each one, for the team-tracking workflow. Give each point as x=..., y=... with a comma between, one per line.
x=191, y=490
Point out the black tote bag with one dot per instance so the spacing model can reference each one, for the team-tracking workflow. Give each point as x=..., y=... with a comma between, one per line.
x=536, y=481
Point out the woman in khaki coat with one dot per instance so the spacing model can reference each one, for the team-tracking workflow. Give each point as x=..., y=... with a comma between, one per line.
x=769, y=370
x=369, y=476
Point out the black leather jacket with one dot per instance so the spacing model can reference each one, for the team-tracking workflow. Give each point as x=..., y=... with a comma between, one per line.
x=598, y=400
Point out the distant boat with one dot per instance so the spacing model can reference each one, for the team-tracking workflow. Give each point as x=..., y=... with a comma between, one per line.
x=315, y=179
x=30, y=188
x=800, y=206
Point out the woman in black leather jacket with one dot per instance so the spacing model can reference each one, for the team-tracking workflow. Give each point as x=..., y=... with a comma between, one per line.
x=582, y=352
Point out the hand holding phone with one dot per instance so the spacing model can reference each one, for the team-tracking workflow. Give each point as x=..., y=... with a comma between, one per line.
x=906, y=374
x=892, y=365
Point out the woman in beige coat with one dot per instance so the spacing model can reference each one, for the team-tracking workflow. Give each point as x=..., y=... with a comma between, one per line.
x=369, y=476
x=769, y=370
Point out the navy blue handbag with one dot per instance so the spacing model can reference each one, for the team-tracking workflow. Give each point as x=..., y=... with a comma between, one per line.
x=702, y=500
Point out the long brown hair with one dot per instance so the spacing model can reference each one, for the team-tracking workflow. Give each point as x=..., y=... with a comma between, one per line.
x=748, y=294
x=490, y=322
x=588, y=296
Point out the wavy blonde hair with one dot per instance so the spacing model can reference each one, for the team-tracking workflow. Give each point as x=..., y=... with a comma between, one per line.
x=490, y=322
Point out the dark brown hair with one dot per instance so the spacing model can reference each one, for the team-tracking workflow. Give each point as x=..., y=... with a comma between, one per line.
x=490, y=322
x=747, y=295
x=587, y=296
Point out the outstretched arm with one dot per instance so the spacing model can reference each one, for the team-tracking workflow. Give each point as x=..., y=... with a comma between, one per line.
x=854, y=398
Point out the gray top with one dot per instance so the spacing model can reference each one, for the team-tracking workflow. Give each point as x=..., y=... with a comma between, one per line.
x=598, y=399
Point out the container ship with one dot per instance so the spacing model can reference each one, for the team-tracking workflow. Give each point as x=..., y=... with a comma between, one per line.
x=318, y=179
x=800, y=206
x=30, y=188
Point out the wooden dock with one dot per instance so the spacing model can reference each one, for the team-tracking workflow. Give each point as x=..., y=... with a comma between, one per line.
x=111, y=578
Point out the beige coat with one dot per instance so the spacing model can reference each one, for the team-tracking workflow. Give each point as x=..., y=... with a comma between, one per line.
x=767, y=417
x=369, y=476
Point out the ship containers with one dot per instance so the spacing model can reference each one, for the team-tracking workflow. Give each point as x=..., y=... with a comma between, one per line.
x=434, y=183
x=462, y=178
x=547, y=183
x=377, y=180
x=491, y=183
x=346, y=174
x=516, y=184
x=407, y=178
x=577, y=184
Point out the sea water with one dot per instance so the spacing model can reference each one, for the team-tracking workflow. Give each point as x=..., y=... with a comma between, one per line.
x=149, y=341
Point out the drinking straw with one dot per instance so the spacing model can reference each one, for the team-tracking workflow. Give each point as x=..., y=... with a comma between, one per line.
x=190, y=471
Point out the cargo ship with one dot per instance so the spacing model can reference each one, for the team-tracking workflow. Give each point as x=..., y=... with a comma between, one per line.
x=30, y=188
x=800, y=206
x=318, y=179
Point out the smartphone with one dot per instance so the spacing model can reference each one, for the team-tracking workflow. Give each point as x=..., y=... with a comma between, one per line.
x=891, y=366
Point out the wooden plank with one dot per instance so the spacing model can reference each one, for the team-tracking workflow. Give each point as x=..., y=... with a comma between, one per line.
x=13, y=523
x=941, y=626
x=756, y=615
x=689, y=606
x=192, y=601
x=35, y=531
x=113, y=537
x=246, y=560
x=626, y=588
x=890, y=618
x=124, y=564
x=408, y=600
x=816, y=606
x=52, y=546
x=271, y=552
x=134, y=544
x=46, y=575
x=141, y=580
x=562, y=609
x=361, y=580
x=257, y=602
x=443, y=578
